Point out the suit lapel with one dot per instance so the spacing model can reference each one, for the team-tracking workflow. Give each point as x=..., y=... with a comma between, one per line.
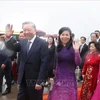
x=83, y=47
x=34, y=45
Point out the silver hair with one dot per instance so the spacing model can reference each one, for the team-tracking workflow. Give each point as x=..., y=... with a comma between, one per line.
x=29, y=22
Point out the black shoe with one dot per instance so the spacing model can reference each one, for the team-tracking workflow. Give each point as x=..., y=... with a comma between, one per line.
x=6, y=92
x=78, y=80
x=0, y=90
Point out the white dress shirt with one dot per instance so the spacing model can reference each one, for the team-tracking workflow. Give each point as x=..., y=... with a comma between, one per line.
x=81, y=47
x=32, y=40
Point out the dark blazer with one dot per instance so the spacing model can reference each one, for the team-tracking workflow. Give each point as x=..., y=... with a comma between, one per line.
x=84, y=51
x=51, y=61
x=33, y=65
x=51, y=51
x=18, y=60
x=11, y=49
x=4, y=59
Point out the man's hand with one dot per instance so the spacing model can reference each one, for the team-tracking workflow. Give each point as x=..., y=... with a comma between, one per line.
x=38, y=87
x=9, y=31
x=3, y=66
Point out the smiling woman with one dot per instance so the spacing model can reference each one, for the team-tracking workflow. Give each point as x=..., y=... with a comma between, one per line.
x=90, y=71
x=68, y=57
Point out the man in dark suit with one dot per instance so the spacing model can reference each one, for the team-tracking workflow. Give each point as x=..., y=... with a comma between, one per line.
x=83, y=51
x=33, y=65
x=10, y=51
x=5, y=62
x=94, y=37
x=98, y=33
x=21, y=36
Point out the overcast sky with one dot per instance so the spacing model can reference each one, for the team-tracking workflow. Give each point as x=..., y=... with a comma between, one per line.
x=83, y=17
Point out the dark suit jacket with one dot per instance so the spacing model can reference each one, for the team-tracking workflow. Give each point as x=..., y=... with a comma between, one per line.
x=11, y=49
x=84, y=51
x=18, y=60
x=83, y=54
x=4, y=59
x=34, y=65
x=51, y=51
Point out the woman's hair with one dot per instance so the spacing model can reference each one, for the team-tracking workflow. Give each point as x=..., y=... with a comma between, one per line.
x=60, y=45
x=53, y=43
x=96, y=44
x=73, y=35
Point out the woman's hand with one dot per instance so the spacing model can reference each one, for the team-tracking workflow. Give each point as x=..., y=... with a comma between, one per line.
x=76, y=45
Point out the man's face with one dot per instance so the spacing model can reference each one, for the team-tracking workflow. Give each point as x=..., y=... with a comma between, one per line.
x=93, y=37
x=21, y=36
x=82, y=41
x=29, y=31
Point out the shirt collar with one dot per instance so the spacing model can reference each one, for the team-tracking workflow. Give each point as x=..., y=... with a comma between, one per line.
x=98, y=39
x=32, y=40
x=83, y=44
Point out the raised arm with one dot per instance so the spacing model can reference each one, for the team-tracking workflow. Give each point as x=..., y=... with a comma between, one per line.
x=9, y=32
x=77, y=58
x=76, y=46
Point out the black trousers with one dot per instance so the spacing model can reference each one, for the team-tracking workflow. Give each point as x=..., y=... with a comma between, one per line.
x=1, y=79
x=81, y=67
x=27, y=92
x=7, y=74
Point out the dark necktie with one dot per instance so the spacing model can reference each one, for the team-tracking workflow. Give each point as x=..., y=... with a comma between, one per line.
x=28, y=46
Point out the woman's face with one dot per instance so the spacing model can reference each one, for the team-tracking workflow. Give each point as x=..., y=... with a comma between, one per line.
x=50, y=40
x=65, y=37
x=92, y=48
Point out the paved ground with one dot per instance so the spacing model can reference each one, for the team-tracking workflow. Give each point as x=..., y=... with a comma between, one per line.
x=13, y=94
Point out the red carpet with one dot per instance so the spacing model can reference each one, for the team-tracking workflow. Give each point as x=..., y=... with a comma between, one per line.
x=79, y=90
x=45, y=96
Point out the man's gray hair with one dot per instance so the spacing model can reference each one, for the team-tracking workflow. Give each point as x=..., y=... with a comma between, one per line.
x=29, y=22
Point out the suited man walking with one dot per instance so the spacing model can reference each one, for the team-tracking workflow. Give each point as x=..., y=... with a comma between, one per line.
x=83, y=51
x=4, y=66
x=33, y=63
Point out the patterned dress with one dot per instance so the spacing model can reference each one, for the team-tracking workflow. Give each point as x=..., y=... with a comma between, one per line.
x=90, y=70
x=65, y=86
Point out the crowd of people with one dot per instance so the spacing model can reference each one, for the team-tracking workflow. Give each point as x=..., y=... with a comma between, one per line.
x=38, y=60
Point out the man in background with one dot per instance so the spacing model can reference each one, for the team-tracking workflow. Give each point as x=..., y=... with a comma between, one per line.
x=83, y=51
x=98, y=33
x=12, y=54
